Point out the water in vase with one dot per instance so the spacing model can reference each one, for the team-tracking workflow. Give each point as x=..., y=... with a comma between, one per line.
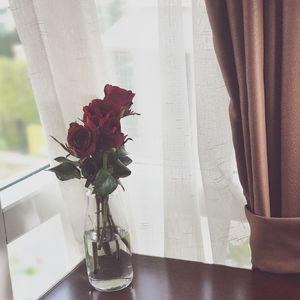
x=108, y=259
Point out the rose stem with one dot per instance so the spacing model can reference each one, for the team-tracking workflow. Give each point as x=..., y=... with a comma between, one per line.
x=105, y=159
x=95, y=257
x=98, y=201
x=106, y=246
x=115, y=231
x=103, y=221
x=105, y=209
x=104, y=204
x=94, y=245
x=110, y=227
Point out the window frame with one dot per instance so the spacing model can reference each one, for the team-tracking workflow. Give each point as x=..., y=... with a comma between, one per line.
x=6, y=291
x=5, y=284
x=24, y=206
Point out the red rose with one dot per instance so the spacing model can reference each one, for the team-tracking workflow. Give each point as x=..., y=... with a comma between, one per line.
x=110, y=132
x=113, y=141
x=93, y=112
x=118, y=99
x=81, y=140
x=110, y=124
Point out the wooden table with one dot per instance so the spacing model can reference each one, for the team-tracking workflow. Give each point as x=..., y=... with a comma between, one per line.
x=169, y=279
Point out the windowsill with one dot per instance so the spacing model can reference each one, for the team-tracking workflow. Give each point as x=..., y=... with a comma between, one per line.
x=166, y=279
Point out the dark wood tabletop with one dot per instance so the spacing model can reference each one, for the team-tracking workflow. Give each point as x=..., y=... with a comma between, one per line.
x=170, y=279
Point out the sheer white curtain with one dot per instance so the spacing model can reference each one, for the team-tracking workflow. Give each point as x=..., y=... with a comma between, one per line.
x=183, y=195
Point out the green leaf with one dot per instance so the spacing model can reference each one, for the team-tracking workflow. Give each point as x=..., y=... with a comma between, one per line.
x=122, y=151
x=120, y=170
x=66, y=171
x=104, y=183
x=88, y=168
x=62, y=159
x=126, y=160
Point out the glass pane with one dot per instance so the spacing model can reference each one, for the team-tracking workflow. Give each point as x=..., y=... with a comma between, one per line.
x=38, y=260
x=42, y=247
x=22, y=144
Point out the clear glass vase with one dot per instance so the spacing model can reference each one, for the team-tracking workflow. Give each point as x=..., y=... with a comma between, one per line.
x=107, y=244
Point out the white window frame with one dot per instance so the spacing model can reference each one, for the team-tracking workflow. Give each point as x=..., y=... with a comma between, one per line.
x=5, y=282
x=19, y=216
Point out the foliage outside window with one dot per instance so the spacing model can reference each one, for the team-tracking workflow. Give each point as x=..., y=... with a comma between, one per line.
x=21, y=139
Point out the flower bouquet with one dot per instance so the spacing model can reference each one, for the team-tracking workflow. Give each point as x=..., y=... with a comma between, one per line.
x=98, y=144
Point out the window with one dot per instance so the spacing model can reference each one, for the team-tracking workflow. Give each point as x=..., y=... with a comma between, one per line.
x=41, y=246
x=22, y=144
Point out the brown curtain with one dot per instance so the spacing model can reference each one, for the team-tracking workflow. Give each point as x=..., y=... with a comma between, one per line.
x=257, y=43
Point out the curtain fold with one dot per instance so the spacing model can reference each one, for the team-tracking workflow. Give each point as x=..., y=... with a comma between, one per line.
x=222, y=195
x=259, y=57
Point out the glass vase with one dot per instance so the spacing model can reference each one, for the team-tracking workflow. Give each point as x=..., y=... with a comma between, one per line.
x=107, y=244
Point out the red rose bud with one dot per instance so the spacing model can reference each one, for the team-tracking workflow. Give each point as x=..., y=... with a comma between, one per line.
x=81, y=140
x=119, y=100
